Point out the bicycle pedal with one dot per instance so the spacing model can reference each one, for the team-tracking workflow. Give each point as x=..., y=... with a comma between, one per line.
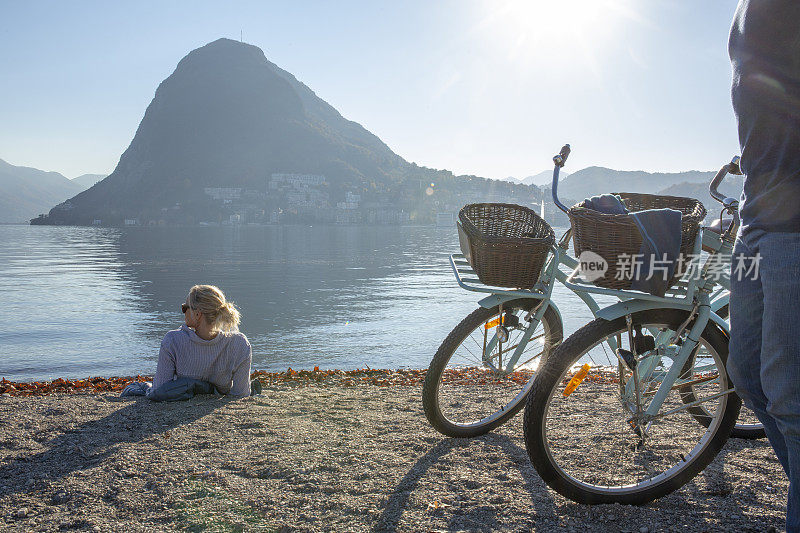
x=627, y=357
x=644, y=343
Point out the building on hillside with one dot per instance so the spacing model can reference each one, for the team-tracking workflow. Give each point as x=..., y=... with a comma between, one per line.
x=348, y=216
x=226, y=194
x=387, y=216
x=298, y=190
x=307, y=198
x=445, y=218
x=295, y=181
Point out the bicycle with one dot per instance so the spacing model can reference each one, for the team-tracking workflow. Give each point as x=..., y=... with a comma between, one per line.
x=623, y=426
x=502, y=359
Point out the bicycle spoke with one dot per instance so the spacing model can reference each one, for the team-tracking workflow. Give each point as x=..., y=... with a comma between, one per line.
x=597, y=415
x=480, y=382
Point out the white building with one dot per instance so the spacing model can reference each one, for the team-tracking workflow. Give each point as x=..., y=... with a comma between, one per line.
x=296, y=181
x=226, y=194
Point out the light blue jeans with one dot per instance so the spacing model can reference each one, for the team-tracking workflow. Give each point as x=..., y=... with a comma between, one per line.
x=764, y=360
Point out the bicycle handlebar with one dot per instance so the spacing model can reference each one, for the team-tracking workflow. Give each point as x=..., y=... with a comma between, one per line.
x=559, y=161
x=731, y=168
x=562, y=156
x=731, y=205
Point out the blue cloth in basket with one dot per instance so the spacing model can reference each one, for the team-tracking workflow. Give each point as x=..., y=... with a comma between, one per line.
x=661, y=241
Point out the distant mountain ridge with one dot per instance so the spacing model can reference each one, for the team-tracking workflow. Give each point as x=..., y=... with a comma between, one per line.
x=87, y=180
x=227, y=120
x=542, y=179
x=228, y=117
x=598, y=180
x=731, y=186
x=26, y=192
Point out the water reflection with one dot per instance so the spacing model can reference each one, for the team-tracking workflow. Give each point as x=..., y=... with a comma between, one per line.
x=91, y=301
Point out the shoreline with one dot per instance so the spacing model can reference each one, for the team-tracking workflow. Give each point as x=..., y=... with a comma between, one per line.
x=97, y=384
x=310, y=455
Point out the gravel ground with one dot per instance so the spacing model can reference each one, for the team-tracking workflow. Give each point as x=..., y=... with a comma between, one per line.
x=319, y=458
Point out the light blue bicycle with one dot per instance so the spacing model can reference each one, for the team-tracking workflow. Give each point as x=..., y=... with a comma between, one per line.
x=612, y=416
x=483, y=371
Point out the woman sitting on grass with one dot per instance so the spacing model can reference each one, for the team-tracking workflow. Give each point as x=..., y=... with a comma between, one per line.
x=208, y=347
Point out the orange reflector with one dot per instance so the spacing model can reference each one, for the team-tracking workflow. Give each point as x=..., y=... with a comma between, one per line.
x=492, y=323
x=576, y=380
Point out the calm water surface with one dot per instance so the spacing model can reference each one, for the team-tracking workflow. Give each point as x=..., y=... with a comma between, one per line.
x=84, y=302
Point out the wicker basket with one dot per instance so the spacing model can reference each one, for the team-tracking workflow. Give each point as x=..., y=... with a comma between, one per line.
x=505, y=244
x=611, y=236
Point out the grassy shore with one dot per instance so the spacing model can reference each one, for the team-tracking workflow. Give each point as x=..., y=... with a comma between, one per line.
x=320, y=455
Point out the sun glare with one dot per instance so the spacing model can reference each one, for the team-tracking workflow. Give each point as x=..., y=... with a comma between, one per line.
x=553, y=30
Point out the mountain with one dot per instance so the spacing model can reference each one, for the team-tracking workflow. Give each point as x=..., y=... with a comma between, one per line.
x=26, y=192
x=227, y=121
x=731, y=186
x=87, y=180
x=544, y=179
x=598, y=180
x=227, y=117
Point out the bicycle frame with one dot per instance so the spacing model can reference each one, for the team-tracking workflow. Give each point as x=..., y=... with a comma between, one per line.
x=631, y=301
x=697, y=296
x=697, y=300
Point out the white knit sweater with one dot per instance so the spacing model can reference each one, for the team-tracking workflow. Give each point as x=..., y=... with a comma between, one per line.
x=224, y=360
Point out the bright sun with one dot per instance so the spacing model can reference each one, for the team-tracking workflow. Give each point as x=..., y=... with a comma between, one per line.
x=529, y=29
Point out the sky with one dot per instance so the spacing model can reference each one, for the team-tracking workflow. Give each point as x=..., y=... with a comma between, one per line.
x=485, y=87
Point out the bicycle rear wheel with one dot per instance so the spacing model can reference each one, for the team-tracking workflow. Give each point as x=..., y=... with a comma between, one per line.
x=474, y=384
x=589, y=446
x=747, y=426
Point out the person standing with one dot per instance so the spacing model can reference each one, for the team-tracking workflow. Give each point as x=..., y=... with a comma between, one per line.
x=764, y=360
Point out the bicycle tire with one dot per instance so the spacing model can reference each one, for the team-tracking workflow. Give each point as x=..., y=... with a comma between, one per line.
x=590, y=490
x=444, y=419
x=742, y=430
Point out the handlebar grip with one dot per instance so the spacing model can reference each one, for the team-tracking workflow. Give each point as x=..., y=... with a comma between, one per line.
x=735, y=166
x=562, y=156
x=731, y=168
x=712, y=187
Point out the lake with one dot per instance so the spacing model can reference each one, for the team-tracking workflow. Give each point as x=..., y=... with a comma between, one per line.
x=88, y=301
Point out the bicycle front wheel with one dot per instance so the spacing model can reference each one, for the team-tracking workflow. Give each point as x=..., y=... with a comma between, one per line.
x=482, y=372
x=592, y=444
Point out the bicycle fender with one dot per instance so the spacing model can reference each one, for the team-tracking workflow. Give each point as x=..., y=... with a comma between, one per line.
x=720, y=301
x=620, y=309
x=558, y=313
x=497, y=299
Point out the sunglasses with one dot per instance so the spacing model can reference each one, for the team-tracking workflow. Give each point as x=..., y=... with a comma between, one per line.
x=185, y=307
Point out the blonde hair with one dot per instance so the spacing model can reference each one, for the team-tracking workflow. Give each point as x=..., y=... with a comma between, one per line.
x=219, y=313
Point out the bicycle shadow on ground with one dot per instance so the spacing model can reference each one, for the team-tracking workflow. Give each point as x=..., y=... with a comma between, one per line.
x=714, y=483
x=398, y=502
x=93, y=442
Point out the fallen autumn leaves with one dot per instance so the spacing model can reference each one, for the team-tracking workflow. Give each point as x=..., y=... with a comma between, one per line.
x=361, y=376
